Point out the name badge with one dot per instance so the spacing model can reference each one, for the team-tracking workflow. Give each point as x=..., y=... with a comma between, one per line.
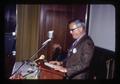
x=74, y=50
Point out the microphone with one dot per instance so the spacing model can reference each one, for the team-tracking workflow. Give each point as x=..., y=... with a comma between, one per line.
x=50, y=36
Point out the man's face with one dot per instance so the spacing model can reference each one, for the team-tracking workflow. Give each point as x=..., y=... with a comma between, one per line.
x=75, y=31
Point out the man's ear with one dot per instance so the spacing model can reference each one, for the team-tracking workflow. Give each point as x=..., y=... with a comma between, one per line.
x=81, y=29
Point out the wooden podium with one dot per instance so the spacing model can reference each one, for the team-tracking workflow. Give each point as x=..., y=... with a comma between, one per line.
x=49, y=73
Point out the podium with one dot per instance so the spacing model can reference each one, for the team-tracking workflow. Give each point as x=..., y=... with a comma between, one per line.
x=49, y=73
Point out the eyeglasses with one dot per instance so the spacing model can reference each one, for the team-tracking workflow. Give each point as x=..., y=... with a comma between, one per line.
x=73, y=29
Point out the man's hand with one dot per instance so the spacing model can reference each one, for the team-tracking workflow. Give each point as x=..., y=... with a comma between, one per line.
x=61, y=69
x=58, y=67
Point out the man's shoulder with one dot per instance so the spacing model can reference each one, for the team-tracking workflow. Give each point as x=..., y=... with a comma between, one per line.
x=87, y=40
x=85, y=37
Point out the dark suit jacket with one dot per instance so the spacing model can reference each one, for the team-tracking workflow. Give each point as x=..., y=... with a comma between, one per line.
x=78, y=62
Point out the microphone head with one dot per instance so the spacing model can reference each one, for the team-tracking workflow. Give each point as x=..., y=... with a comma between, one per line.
x=50, y=34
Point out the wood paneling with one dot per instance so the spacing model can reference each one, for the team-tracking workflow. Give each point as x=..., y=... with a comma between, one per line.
x=56, y=17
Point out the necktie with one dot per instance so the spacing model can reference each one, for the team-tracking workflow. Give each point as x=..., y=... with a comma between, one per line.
x=73, y=45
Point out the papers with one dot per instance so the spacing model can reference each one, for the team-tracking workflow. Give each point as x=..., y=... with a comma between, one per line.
x=50, y=65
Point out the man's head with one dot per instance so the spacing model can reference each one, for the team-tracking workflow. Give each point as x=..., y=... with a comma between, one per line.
x=77, y=28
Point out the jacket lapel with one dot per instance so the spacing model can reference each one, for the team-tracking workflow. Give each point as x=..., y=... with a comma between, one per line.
x=76, y=46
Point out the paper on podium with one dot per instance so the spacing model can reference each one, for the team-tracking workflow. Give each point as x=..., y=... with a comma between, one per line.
x=46, y=73
x=50, y=65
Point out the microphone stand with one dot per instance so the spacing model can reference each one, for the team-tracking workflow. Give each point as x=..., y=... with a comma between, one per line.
x=38, y=51
x=43, y=45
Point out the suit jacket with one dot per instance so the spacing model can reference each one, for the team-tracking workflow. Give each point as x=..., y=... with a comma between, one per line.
x=79, y=58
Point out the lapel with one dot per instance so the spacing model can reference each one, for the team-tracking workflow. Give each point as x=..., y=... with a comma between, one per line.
x=75, y=47
x=80, y=41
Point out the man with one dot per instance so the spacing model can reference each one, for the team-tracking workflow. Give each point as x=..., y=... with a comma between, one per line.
x=77, y=63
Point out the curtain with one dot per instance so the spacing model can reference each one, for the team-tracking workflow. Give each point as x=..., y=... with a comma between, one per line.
x=27, y=31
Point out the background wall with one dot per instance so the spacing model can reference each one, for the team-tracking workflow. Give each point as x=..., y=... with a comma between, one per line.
x=56, y=17
x=102, y=31
x=102, y=26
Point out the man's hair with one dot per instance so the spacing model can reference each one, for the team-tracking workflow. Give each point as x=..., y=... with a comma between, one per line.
x=79, y=23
